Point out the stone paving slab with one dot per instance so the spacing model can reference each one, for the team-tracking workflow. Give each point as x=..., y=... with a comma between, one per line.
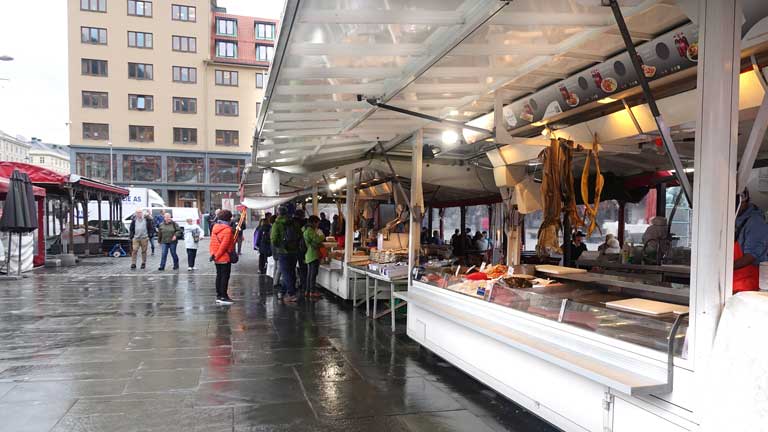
x=99, y=347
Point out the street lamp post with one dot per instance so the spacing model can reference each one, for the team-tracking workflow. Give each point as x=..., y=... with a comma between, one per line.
x=111, y=165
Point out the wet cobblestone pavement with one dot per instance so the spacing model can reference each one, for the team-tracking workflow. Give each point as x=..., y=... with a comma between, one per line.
x=101, y=348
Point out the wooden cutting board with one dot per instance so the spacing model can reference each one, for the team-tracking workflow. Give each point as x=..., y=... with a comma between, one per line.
x=556, y=270
x=646, y=307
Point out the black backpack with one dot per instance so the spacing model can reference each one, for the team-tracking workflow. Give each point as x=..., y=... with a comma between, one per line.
x=292, y=236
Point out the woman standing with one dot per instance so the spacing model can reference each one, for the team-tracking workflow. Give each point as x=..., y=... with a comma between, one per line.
x=313, y=238
x=192, y=235
x=222, y=245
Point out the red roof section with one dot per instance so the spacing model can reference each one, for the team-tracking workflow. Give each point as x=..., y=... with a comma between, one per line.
x=46, y=177
x=246, y=39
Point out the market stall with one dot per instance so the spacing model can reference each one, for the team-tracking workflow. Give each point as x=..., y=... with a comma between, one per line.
x=37, y=246
x=544, y=92
x=66, y=210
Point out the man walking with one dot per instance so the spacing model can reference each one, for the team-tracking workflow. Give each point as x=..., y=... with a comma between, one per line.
x=168, y=235
x=285, y=237
x=140, y=233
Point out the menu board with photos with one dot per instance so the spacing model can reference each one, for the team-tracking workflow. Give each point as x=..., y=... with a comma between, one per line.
x=665, y=55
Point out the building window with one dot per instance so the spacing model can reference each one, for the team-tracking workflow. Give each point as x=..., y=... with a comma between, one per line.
x=94, y=165
x=140, y=71
x=260, y=78
x=258, y=107
x=95, y=131
x=265, y=31
x=42, y=159
x=184, y=74
x=93, y=35
x=142, y=168
x=140, y=8
x=141, y=102
x=227, y=137
x=93, y=99
x=184, y=105
x=226, y=27
x=93, y=5
x=226, y=171
x=227, y=108
x=141, y=133
x=226, y=78
x=184, y=44
x=183, y=13
x=139, y=39
x=186, y=170
x=184, y=135
x=264, y=52
x=226, y=49
x=94, y=67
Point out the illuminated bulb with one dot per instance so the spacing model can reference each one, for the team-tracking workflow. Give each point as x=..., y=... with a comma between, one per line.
x=453, y=112
x=545, y=132
x=606, y=100
x=450, y=137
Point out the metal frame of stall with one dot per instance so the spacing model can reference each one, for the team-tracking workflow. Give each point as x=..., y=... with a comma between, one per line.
x=592, y=382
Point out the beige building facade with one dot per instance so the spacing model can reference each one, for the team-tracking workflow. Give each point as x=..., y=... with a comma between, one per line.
x=166, y=90
x=50, y=156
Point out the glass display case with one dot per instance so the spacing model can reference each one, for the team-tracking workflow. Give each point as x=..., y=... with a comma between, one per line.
x=573, y=303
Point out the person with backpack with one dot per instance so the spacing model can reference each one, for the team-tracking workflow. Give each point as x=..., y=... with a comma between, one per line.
x=313, y=239
x=301, y=221
x=262, y=242
x=285, y=238
x=221, y=248
x=192, y=235
x=168, y=235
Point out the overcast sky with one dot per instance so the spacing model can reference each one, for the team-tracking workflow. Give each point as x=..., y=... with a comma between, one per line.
x=33, y=87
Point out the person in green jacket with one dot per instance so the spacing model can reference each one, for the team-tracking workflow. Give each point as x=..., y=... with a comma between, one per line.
x=168, y=235
x=313, y=238
x=285, y=237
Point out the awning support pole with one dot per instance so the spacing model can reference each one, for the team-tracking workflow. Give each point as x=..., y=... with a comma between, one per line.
x=315, y=201
x=452, y=123
x=414, y=233
x=666, y=137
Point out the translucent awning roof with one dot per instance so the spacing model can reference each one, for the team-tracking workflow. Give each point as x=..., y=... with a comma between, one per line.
x=444, y=58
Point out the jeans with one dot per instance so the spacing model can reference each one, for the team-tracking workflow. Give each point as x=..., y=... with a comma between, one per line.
x=288, y=274
x=152, y=244
x=191, y=255
x=312, y=269
x=302, y=275
x=262, y=262
x=222, y=279
x=137, y=244
x=172, y=248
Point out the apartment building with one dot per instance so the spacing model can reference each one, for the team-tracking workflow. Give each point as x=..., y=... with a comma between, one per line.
x=169, y=92
x=13, y=149
x=54, y=157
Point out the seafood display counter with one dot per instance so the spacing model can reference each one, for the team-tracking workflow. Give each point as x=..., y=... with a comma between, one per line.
x=514, y=333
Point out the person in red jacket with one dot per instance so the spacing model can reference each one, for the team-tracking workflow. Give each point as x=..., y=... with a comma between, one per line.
x=222, y=244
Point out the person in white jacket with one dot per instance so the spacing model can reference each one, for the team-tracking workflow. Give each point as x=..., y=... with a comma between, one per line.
x=192, y=235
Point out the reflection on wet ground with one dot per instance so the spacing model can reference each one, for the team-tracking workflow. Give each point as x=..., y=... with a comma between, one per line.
x=103, y=349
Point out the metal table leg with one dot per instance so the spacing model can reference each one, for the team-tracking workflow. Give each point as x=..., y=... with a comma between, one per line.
x=354, y=289
x=367, y=297
x=392, y=303
x=375, y=294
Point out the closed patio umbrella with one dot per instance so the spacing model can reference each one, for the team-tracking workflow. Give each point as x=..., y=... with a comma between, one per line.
x=19, y=212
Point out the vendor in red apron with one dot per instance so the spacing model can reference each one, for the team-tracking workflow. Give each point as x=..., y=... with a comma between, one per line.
x=751, y=245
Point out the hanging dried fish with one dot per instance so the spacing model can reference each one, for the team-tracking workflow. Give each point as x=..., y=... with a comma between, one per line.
x=551, y=186
x=569, y=191
x=590, y=211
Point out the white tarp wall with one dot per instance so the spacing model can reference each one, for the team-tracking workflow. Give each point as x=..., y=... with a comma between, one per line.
x=27, y=252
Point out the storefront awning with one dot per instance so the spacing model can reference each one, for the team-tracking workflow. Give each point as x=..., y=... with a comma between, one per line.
x=445, y=58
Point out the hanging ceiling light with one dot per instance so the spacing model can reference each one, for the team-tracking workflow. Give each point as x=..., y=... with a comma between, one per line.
x=450, y=137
